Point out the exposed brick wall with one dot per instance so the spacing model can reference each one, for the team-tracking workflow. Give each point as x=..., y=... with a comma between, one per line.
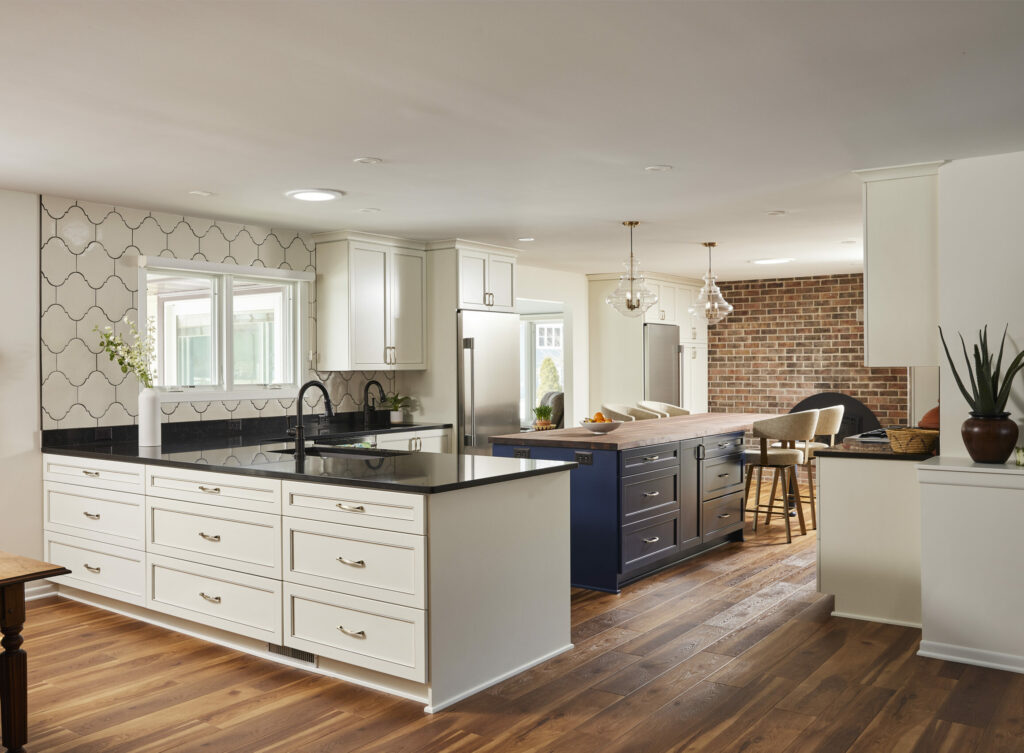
x=790, y=338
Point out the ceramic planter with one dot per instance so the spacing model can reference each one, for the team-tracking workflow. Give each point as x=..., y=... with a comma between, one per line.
x=149, y=418
x=989, y=439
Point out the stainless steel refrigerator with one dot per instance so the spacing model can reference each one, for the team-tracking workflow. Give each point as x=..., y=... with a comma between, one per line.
x=663, y=376
x=488, y=378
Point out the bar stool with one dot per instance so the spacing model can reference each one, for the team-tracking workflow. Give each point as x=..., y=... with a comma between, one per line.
x=665, y=409
x=623, y=412
x=829, y=421
x=783, y=460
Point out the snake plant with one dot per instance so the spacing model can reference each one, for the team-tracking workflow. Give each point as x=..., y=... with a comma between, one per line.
x=990, y=388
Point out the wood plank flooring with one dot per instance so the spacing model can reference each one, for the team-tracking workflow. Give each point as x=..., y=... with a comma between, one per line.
x=732, y=652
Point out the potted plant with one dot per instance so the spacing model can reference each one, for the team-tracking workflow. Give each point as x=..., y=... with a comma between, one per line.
x=988, y=434
x=542, y=414
x=398, y=405
x=136, y=357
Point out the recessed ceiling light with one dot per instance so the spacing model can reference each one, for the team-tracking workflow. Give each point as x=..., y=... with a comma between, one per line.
x=848, y=243
x=315, y=194
x=201, y=193
x=368, y=160
x=369, y=210
x=772, y=261
x=525, y=240
x=658, y=168
x=775, y=212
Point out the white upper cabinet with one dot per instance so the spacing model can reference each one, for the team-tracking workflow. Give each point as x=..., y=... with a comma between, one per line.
x=487, y=280
x=665, y=311
x=692, y=329
x=371, y=306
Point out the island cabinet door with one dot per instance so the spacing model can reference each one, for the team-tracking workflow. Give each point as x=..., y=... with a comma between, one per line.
x=689, y=493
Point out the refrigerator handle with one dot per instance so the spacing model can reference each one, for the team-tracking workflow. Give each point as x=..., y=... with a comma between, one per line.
x=470, y=438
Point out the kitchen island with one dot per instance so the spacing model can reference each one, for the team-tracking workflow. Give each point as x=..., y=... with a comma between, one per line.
x=426, y=575
x=647, y=495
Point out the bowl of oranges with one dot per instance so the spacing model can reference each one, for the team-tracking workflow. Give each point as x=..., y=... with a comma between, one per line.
x=599, y=424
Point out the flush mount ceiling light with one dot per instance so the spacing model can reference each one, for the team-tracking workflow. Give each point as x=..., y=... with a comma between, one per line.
x=204, y=194
x=772, y=261
x=632, y=297
x=658, y=168
x=526, y=240
x=775, y=212
x=847, y=243
x=369, y=210
x=315, y=194
x=367, y=160
x=710, y=305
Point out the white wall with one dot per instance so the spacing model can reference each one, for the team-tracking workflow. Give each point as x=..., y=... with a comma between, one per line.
x=570, y=289
x=981, y=271
x=21, y=530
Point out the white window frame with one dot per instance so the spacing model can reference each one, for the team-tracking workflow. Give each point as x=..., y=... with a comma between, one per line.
x=297, y=322
x=528, y=367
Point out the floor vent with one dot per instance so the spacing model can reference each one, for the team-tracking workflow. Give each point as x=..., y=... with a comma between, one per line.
x=292, y=653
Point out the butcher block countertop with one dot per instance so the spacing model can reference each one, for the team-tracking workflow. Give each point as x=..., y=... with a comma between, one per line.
x=638, y=433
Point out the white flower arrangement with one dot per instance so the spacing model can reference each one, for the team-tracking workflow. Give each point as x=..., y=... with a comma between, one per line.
x=135, y=358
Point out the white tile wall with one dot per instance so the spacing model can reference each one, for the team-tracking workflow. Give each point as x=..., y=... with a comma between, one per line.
x=85, y=282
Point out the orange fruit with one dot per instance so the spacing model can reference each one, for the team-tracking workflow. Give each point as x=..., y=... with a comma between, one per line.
x=599, y=417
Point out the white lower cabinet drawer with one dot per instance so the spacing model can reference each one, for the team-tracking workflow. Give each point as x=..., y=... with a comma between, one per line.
x=224, y=489
x=219, y=536
x=367, y=562
x=244, y=604
x=383, y=637
x=104, y=569
x=97, y=514
x=373, y=508
x=99, y=474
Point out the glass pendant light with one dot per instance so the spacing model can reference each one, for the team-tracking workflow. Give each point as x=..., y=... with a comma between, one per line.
x=710, y=305
x=632, y=296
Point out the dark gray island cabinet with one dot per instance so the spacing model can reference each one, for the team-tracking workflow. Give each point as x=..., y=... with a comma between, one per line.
x=646, y=496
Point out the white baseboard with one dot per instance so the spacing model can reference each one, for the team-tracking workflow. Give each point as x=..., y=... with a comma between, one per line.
x=976, y=656
x=39, y=589
x=883, y=620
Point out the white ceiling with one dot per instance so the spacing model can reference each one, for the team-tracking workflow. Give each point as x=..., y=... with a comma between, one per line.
x=505, y=119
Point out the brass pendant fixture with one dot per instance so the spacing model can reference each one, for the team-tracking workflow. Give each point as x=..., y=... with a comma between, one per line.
x=710, y=305
x=632, y=296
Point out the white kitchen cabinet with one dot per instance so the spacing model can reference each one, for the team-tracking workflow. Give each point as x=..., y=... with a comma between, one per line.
x=695, y=378
x=666, y=310
x=434, y=440
x=372, y=306
x=692, y=329
x=487, y=280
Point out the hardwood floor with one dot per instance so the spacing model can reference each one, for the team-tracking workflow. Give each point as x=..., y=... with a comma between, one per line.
x=731, y=652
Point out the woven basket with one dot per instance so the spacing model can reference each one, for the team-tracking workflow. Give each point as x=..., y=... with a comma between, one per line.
x=912, y=441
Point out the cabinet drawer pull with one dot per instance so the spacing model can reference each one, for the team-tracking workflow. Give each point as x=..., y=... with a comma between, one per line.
x=361, y=634
x=211, y=599
x=652, y=540
x=210, y=489
x=92, y=515
x=215, y=538
x=92, y=474
x=92, y=569
x=723, y=475
x=725, y=444
x=350, y=508
x=725, y=515
x=352, y=563
x=652, y=494
x=651, y=458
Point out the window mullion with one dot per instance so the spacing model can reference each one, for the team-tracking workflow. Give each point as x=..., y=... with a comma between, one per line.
x=225, y=344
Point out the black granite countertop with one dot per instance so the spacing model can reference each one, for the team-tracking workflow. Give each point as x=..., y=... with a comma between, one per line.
x=841, y=452
x=418, y=472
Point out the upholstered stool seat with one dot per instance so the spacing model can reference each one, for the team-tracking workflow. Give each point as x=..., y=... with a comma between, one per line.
x=810, y=446
x=775, y=457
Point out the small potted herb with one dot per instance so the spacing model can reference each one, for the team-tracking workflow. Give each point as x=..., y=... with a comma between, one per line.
x=542, y=414
x=399, y=405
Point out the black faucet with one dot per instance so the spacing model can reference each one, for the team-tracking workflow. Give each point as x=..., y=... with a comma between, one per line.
x=368, y=405
x=300, y=430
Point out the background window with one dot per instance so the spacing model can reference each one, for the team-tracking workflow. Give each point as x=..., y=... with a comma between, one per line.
x=260, y=326
x=542, y=357
x=183, y=309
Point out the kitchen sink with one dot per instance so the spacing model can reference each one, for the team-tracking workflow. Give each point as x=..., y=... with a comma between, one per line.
x=363, y=452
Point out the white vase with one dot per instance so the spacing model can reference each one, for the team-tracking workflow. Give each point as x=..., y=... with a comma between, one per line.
x=397, y=416
x=149, y=418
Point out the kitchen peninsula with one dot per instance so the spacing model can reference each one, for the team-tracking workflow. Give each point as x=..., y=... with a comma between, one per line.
x=647, y=495
x=377, y=566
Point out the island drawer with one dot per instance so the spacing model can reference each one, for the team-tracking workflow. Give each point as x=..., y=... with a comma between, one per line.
x=371, y=508
x=236, y=602
x=224, y=489
x=365, y=562
x=648, y=540
x=721, y=475
x=219, y=536
x=722, y=514
x=649, y=494
x=644, y=459
x=112, y=571
x=383, y=637
x=97, y=514
x=98, y=474
x=723, y=444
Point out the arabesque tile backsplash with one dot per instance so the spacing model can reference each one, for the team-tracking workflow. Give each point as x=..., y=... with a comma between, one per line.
x=88, y=279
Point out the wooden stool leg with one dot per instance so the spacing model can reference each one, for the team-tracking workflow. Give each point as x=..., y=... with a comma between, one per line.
x=771, y=499
x=814, y=501
x=760, y=472
x=785, y=506
x=799, y=502
x=746, y=488
x=13, y=669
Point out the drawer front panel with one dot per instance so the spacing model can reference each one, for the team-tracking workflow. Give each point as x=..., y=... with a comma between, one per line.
x=219, y=536
x=721, y=515
x=360, y=561
x=649, y=540
x=645, y=459
x=383, y=637
x=723, y=444
x=112, y=571
x=243, y=604
x=224, y=489
x=371, y=508
x=721, y=475
x=649, y=494
x=98, y=474
x=96, y=514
